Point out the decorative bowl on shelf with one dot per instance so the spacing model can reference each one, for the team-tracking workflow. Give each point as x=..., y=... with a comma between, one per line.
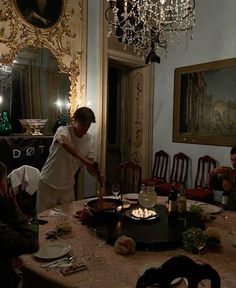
x=36, y=125
x=25, y=126
x=33, y=126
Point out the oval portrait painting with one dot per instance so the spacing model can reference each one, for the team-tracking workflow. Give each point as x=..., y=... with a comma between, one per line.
x=40, y=13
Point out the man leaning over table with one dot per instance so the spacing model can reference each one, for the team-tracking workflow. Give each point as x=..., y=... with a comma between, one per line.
x=225, y=178
x=71, y=148
x=16, y=236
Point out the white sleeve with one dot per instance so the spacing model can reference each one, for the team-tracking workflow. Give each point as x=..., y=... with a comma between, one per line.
x=62, y=130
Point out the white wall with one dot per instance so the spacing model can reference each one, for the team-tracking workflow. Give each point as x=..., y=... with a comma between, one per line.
x=90, y=183
x=214, y=39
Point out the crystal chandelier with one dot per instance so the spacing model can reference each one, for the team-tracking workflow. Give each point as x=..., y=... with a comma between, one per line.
x=149, y=25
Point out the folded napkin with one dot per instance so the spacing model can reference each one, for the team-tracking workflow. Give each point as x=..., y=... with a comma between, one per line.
x=83, y=216
x=27, y=177
x=56, y=212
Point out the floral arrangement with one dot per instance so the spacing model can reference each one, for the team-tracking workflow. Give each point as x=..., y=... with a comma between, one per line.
x=196, y=209
x=196, y=238
x=124, y=245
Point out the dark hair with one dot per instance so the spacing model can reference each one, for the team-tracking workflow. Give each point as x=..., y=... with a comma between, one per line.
x=233, y=150
x=3, y=170
x=84, y=114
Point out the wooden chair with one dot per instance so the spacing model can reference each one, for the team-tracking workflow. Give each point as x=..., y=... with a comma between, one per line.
x=130, y=177
x=159, y=171
x=179, y=267
x=201, y=190
x=178, y=176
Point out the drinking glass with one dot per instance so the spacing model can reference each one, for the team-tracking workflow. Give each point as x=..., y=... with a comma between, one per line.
x=88, y=250
x=200, y=242
x=147, y=197
x=100, y=241
x=115, y=190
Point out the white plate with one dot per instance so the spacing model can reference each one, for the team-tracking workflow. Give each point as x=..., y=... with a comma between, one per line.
x=131, y=197
x=213, y=209
x=53, y=250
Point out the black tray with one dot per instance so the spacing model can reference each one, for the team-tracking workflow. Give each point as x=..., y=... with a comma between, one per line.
x=161, y=232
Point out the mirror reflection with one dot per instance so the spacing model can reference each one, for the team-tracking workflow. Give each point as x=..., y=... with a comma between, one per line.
x=34, y=88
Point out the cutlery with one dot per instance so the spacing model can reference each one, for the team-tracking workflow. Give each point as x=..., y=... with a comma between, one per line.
x=67, y=259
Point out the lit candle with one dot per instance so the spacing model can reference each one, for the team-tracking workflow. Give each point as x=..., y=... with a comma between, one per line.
x=59, y=105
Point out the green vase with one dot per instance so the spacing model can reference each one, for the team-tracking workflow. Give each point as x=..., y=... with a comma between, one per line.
x=62, y=120
x=5, y=126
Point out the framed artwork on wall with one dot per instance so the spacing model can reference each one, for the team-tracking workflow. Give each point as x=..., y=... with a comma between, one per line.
x=205, y=103
x=40, y=13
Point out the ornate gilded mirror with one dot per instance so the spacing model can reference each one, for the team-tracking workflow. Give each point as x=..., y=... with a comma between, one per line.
x=61, y=43
x=34, y=88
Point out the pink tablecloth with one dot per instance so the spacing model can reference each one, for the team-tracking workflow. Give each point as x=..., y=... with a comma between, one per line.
x=122, y=271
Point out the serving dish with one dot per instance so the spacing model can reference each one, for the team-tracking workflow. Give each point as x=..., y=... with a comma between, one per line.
x=130, y=197
x=151, y=216
x=107, y=205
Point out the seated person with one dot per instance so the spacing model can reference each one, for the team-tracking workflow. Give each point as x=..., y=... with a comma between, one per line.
x=224, y=178
x=16, y=236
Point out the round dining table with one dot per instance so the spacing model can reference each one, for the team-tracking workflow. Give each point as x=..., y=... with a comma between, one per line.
x=116, y=270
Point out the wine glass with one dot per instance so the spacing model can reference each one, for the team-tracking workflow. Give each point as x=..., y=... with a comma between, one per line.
x=100, y=241
x=115, y=189
x=199, y=242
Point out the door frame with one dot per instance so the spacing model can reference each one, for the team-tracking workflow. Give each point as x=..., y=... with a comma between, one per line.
x=112, y=49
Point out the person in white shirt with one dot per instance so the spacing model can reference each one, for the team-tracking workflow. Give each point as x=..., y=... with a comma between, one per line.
x=71, y=148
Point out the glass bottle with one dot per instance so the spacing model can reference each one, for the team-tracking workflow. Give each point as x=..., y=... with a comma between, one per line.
x=225, y=201
x=35, y=223
x=181, y=202
x=5, y=126
x=172, y=203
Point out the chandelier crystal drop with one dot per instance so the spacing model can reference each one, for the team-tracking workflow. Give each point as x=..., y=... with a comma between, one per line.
x=142, y=23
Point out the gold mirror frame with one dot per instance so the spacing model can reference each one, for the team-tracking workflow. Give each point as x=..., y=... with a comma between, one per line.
x=61, y=39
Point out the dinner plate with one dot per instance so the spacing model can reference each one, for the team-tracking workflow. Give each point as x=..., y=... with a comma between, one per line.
x=213, y=209
x=130, y=197
x=53, y=250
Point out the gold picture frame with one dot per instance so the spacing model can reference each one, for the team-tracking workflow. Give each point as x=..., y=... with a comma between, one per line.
x=40, y=14
x=204, y=109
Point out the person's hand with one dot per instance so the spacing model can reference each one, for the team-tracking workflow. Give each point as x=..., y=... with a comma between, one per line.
x=227, y=186
x=45, y=21
x=95, y=167
x=4, y=188
x=92, y=166
x=222, y=170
